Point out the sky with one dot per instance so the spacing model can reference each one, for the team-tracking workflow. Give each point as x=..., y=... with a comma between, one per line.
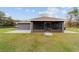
x=26, y=13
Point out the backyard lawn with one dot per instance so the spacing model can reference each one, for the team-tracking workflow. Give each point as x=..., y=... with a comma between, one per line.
x=38, y=42
x=73, y=29
x=2, y=30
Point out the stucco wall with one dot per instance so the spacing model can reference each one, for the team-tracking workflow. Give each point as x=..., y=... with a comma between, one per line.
x=25, y=26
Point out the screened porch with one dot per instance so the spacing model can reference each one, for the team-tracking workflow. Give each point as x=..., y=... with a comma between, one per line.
x=48, y=26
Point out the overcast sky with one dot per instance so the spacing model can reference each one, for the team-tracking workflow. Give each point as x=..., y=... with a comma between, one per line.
x=26, y=13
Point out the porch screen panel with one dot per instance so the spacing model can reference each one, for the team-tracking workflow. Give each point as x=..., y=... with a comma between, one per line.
x=38, y=25
x=56, y=25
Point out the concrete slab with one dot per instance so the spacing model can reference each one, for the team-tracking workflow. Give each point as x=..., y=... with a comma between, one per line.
x=48, y=33
x=20, y=31
x=45, y=33
x=70, y=31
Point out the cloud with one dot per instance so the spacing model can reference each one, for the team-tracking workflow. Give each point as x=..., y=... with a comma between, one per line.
x=42, y=12
x=33, y=10
x=26, y=10
x=54, y=12
x=7, y=14
x=50, y=12
x=18, y=8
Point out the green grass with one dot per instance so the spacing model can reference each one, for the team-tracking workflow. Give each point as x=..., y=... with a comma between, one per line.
x=73, y=29
x=6, y=29
x=38, y=42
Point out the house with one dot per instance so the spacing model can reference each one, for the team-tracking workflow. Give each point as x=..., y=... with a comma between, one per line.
x=42, y=24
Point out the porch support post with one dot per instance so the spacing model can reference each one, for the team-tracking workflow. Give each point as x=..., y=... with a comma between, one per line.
x=44, y=26
x=62, y=26
x=31, y=26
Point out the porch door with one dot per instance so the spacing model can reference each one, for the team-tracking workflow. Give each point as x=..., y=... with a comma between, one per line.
x=47, y=26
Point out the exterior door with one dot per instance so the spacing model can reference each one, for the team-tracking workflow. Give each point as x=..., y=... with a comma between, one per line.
x=47, y=26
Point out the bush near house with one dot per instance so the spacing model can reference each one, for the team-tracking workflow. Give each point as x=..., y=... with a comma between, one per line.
x=72, y=24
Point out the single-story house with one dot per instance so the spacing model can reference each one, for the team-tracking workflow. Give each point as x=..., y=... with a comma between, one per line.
x=42, y=24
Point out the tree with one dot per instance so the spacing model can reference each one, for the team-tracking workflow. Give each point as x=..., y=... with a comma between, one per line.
x=74, y=15
x=2, y=14
x=6, y=21
x=9, y=21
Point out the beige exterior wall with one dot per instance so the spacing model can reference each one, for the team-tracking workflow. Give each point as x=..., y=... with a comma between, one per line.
x=25, y=26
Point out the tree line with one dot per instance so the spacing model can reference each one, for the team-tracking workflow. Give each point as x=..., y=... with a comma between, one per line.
x=6, y=21
x=73, y=20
